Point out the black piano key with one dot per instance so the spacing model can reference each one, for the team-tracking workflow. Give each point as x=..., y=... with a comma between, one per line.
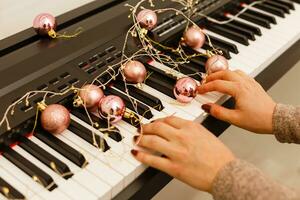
x=249, y=34
x=256, y=20
x=249, y=27
x=224, y=44
x=61, y=147
x=48, y=159
x=194, y=66
x=285, y=3
x=296, y=1
x=146, y=98
x=225, y=52
x=285, y=8
x=88, y=136
x=132, y=118
x=141, y=109
x=105, y=126
x=186, y=69
x=270, y=9
x=160, y=81
x=228, y=33
x=9, y=191
x=29, y=168
x=269, y=18
x=194, y=62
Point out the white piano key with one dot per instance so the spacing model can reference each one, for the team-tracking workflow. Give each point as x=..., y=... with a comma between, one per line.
x=71, y=165
x=246, y=55
x=2, y=197
x=13, y=181
x=194, y=107
x=77, y=194
x=20, y=175
x=156, y=114
x=56, y=178
x=99, y=169
x=56, y=194
x=171, y=105
x=75, y=169
x=278, y=45
x=117, y=157
x=63, y=185
x=93, y=184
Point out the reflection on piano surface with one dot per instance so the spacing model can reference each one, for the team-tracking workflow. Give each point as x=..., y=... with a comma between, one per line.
x=69, y=165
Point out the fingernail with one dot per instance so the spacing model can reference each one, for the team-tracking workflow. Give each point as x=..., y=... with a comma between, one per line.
x=152, y=121
x=135, y=138
x=138, y=129
x=206, y=107
x=134, y=152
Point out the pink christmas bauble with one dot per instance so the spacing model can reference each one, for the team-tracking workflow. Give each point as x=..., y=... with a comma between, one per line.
x=111, y=108
x=194, y=37
x=147, y=19
x=216, y=63
x=185, y=89
x=43, y=23
x=91, y=95
x=135, y=72
x=55, y=118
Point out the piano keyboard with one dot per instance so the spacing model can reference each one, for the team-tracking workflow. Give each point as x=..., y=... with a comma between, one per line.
x=71, y=166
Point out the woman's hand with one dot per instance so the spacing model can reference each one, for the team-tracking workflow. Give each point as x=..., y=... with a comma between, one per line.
x=254, y=107
x=191, y=153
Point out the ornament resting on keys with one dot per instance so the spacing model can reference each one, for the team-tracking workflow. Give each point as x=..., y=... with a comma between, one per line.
x=89, y=96
x=111, y=108
x=194, y=37
x=185, y=89
x=55, y=118
x=216, y=63
x=134, y=72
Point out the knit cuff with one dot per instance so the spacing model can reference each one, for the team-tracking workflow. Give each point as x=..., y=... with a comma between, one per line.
x=239, y=180
x=286, y=123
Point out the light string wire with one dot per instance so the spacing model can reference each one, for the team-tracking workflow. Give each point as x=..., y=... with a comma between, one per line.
x=148, y=49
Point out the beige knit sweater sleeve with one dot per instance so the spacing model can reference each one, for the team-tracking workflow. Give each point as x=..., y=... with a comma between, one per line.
x=239, y=180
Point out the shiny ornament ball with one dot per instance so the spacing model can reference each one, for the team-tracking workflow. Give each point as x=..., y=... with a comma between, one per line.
x=112, y=108
x=216, y=63
x=44, y=23
x=91, y=95
x=185, y=89
x=194, y=37
x=147, y=19
x=55, y=118
x=135, y=72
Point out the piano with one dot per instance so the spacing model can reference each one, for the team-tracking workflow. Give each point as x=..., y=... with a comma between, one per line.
x=263, y=41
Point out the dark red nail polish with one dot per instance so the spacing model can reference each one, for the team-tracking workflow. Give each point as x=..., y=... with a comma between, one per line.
x=206, y=107
x=134, y=152
x=152, y=121
x=139, y=129
x=135, y=138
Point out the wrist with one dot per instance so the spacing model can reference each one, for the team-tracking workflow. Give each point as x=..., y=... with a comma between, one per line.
x=271, y=110
x=227, y=159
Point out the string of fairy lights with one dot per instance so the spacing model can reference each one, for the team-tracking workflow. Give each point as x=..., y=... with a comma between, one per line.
x=55, y=118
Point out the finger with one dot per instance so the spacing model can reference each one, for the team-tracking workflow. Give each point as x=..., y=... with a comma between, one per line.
x=174, y=121
x=155, y=143
x=226, y=75
x=241, y=73
x=159, y=128
x=221, y=112
x=222, y=86
x=161, y=163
